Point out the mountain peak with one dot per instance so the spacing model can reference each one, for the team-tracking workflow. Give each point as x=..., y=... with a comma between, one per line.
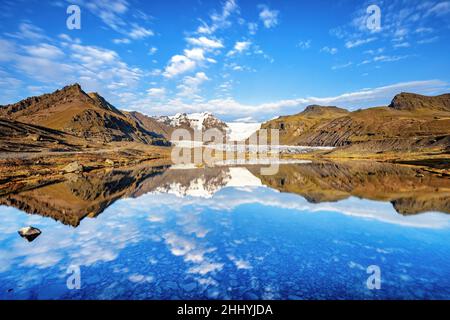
x=32, y=105
x=197, y=121
x=319, y=110
x=74, y=87
x=410, y=102
x=75, y=112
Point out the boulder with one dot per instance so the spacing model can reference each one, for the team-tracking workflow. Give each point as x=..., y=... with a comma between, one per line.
x=35, y=137
x=109, y=163
x=29, y=233
x=73, y=167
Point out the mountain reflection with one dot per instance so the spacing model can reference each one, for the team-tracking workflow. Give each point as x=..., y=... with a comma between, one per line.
x=411, y=190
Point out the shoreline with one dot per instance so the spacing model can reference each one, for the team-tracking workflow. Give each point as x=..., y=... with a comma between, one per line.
x=36, y=169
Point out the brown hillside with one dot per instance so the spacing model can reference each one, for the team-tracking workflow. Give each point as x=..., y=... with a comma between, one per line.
x=21, y=137
x=72, y=111
x=291, y=128
x=151, y=124
x=411, y=122
x=411, y=102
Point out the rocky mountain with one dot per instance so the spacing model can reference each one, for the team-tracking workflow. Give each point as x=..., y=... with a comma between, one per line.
x=293, y=128
x=196, y=121
x=88, y=116
x=234, y=131
x=151, y=124
x=413, y=102
x=58, y=121
x=411, y=122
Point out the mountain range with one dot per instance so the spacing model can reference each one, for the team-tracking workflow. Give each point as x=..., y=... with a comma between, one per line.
x=71, y=119
x=410, y=123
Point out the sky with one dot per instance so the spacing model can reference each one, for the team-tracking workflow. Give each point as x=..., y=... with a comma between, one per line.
x=242, y=60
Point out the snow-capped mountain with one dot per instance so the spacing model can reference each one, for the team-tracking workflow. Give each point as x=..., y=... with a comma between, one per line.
x=235, y=131
x=239, y=131
x=197, y=121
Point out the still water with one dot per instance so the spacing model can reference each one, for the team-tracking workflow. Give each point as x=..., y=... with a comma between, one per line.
x=308, y=232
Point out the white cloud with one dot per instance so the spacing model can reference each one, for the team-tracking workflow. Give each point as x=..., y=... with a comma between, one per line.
x=402, y=45
x=190, y=86
x=55, y=63
x=304, y=44
x=351, y=100
x=240, y=47
x=139, y=32
x=329, y=50
x=192, y=58
x=401, y=23
x=440, y=9
x=28, y=31
x=268, y=17
x=109, y=12
x=179, y=64
x=373, y=52
x=46, y=70
x=195, y=54
x=68, y=39
x=152, y=51
x=156, y=92
x=92, y=56
x=385, y=58
x=44, y=51
x=122, y=41
x=219, y=20
x=252, y=28
x=356, y=43
x=342, y=66
x=205, y=42
x=8, y=50
x=422, y=30
x=428, y=40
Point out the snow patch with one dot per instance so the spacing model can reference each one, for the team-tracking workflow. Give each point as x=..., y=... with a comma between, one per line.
x=239, y=131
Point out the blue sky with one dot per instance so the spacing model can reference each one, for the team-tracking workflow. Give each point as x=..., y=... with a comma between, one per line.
x=240, y=59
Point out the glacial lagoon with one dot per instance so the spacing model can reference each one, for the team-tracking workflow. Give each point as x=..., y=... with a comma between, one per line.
x=308, y=232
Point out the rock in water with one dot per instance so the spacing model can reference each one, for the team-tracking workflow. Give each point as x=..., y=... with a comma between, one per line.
x=29, y=233
x=73, y=167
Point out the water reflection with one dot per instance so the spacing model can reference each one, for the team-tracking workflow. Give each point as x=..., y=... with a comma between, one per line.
x=410, y=190
x=308, y=232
